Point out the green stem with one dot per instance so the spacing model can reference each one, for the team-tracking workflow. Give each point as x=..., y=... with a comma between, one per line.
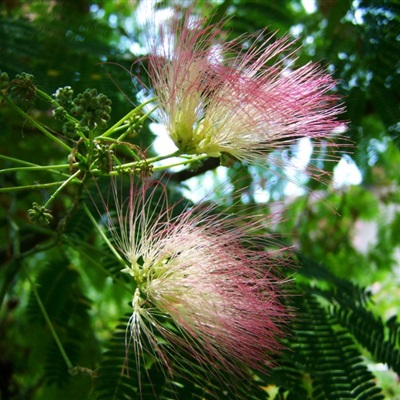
x=37, y=124
x=176, y=153
x=79, y=245
x=184, y=162
x=55, y=105
x=65, y=183
x=115, y=130
x=151, y=161
x=49, y=323
x=28, y=166
x=47, y=97
x=16, y=160
x=116, y=254
x=30, y=187
x=126, y=117
x=49, y=168
x=116, y=142
x=138, y=122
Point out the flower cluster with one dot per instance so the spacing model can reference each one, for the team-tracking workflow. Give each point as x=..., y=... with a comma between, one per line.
x=219, y=99
x=198, y=271
x=93, y=108
x=221, y=295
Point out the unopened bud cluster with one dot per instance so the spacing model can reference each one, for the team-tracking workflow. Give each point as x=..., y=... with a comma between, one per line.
x=23, y=89
x=89, y=110
x=40, y=214
x=92, y=108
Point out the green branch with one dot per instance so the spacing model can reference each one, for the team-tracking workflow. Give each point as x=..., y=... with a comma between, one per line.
x=111, y=247
x=79, y=246
x=138, y=122
x=151, y=160
x=126, y=117
x=17, y=160
x=183, y=162
x=37, y=124
x=55, y=104
x=49, y=323
x=65, y=183
x=48, y=168
x=30, y=187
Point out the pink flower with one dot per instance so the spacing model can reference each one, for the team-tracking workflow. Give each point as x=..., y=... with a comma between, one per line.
x=180, y=68
x=201, y=288
x=217, y=98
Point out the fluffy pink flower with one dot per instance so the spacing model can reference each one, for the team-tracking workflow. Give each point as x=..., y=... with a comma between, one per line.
x=215, y=99
x=200, y=271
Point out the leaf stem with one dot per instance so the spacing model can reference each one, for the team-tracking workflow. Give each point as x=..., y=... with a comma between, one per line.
x=55, y=104
x=49, y=323
x=30, y=187
x=16, y=160
x=149, y=161
x=37, y=124
x=65, y=183
x=49, y=168
x=125, y=118
x=184, y=162
x=28, y=166
x=79, y=246
x=138, y=122
x=176, y=153
x=105, y=238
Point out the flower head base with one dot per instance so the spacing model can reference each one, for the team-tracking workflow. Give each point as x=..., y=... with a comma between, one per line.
x=222, y=298
x=215, y=99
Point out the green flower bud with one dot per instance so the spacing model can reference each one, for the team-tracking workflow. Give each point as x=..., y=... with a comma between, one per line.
x=4, y=80
x=59, y=113
x=40, y=214
x=23, y=89
x=64, y=95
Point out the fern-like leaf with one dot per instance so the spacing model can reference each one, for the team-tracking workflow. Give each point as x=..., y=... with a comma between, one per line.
x=349, y=310
x=66, y=306
x=370, y=333
x=328, y=355
x=121, y=378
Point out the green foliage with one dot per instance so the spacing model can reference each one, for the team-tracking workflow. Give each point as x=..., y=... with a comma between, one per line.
x=350, y=310
x=325, y=361
x=330, y=357
x=67, y=307
x=124, y=376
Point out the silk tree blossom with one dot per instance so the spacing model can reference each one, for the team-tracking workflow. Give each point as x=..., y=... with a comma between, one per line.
x=199, y=271
x=215, y=99
x=182, y=76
